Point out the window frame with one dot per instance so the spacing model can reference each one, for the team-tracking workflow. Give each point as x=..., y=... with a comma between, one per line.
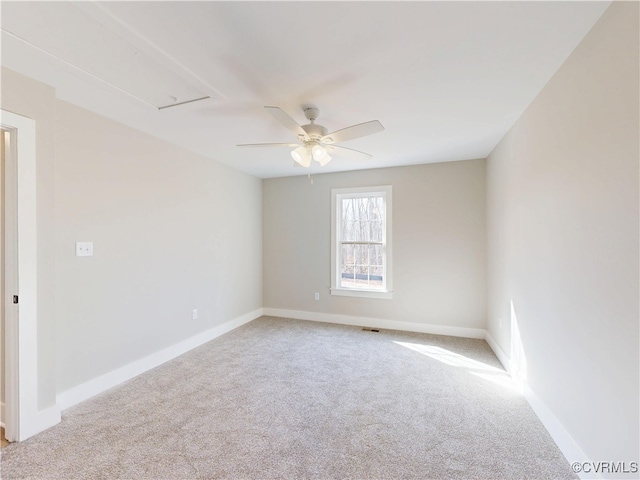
x=337, y=194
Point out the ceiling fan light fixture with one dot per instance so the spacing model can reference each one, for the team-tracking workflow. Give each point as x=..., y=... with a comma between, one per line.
x=301, y=156
x=318, y=152
x=315, y=143
x=324, y=160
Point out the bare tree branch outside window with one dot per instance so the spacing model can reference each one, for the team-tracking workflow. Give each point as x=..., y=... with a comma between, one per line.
x=362, y=242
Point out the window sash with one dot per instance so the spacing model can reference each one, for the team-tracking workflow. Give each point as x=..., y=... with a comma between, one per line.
x=365, y=273
x=360, y=243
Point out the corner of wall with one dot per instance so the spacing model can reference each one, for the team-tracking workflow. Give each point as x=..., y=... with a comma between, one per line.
x=502, y=356
x=93, y=387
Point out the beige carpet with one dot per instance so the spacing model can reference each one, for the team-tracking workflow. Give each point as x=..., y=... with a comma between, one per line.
x=291, y=399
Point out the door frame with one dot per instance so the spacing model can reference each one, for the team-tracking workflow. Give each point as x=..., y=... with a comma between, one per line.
x=21, y=321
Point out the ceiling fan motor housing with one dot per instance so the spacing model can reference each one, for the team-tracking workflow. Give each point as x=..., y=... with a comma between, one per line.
x=315, y=131
x=311, y=113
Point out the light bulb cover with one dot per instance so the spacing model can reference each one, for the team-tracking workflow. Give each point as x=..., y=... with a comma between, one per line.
x=301, y=156
x=318, y=152
x=324, y=160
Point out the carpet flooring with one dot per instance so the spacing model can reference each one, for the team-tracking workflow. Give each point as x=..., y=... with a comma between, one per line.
x=281, y=398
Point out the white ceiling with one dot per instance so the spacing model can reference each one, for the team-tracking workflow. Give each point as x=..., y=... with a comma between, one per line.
x=446, y=79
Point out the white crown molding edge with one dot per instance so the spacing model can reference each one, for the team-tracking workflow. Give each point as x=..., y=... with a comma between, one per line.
x=97, y=385
x=134, y=37
x=77, y=71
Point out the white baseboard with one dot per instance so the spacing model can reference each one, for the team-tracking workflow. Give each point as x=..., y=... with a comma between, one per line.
x=73, y=396
x=32, y=424
x=376, y=323
x=567, y=445
x=44, y=419
x=109, y=380
x=569, y=448
x=503, y=357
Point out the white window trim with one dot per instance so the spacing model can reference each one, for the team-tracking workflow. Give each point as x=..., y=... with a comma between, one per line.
x=335, y=257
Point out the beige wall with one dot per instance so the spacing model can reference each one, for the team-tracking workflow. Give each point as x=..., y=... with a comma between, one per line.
x=438, y=244
x=26, y=97
x=172, y=231
x=563, y=240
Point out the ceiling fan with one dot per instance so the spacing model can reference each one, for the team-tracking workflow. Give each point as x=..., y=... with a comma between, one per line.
x=315, y=143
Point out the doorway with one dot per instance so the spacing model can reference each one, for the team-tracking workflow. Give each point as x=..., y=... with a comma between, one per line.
x=22, y=417
x=8, y=283
x=5, y=142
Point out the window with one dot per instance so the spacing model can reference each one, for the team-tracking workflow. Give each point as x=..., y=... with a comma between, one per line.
x=361, y=242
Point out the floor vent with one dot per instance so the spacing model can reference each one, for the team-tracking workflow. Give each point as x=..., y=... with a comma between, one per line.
x=367, y=329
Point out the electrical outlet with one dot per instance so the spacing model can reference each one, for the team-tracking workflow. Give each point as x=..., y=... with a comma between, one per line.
x=317, y=296
x=194, y=315
x=84, y=249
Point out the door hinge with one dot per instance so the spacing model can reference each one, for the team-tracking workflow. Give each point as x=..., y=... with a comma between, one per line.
x=15, y=299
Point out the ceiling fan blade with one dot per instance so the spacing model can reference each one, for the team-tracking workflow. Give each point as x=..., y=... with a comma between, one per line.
x=348, y=152
x=268, y=145
x=284, y=118
x=354, y=131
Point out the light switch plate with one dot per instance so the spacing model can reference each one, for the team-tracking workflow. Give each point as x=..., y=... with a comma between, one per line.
x=84, y=249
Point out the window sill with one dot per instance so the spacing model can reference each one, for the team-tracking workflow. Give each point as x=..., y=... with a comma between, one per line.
x=343, y=292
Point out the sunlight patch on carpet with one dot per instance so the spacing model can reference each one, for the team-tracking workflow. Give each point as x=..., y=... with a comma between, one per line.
x=474, y=367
